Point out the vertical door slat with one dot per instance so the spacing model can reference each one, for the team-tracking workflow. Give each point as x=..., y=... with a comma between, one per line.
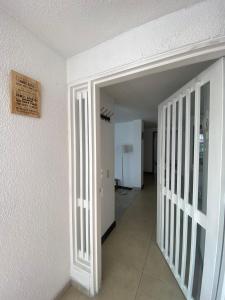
x=80, y=99
x=86, y=175
x=180, y=113
x=195, y=187
x=159, y=178
x=186, y=183
x=74, y=197
x=90, y=145
x=167, y=177
x=172, y=180
x=163, y=173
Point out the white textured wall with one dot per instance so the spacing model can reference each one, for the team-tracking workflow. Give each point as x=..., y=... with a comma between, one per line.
x=107, y=165
x=201, y=22
x=129, y=133
x=34, y=235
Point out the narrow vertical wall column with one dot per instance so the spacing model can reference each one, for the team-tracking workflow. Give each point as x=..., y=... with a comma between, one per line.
x=79, y=113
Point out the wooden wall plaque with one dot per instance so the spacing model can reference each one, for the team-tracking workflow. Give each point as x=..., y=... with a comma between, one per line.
x=25, y=95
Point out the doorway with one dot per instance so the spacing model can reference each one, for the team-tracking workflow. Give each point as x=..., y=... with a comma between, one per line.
x=94, y=261
x=132, y=265
x=183, y=228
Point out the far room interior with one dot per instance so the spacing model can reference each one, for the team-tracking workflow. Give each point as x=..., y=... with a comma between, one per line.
x=129, y=122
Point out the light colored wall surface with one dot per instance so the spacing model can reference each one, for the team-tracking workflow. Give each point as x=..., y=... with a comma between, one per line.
x=201, y=22
x=107, y=161
x=148, y=150
x=129, y=133
x=137, y=172
x=123, y=136
x=34, y=213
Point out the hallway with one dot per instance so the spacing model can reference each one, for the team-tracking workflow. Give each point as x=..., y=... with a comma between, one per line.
x=133, y=268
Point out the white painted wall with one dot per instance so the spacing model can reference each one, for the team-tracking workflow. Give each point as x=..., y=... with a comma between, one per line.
x=138, y=153
x=148, y=150
x=201, y=22
x=129, y=133
x=34, y=213
x=123, y=136
x=107, y=165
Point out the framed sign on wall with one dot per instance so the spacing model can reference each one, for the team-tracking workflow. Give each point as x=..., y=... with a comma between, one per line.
x=25, y=95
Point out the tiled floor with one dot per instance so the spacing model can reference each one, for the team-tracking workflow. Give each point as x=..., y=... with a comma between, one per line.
x=133, y=267
x=123, y=199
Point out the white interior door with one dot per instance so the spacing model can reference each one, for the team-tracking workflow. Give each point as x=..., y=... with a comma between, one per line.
x=190, y=182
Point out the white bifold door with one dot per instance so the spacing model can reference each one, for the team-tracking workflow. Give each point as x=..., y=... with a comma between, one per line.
x=190, y=187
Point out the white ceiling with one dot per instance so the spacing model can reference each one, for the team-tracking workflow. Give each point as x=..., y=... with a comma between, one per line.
x=139, y=98
x=72, y=26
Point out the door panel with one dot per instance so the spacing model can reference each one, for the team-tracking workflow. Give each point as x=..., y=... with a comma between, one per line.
x=189, y=185
x=80, y=186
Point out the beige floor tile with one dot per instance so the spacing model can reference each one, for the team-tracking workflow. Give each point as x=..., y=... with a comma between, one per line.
x=127, y=253
x=158, y=267
x=125, y=263
x=155, y=289
x=133, y=267
x=73, y=294
x=122, y=284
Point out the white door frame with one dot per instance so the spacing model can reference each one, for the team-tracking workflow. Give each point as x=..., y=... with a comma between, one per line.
x=183, y=56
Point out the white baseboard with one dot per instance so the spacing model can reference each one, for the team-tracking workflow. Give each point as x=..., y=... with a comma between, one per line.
x=81, y=280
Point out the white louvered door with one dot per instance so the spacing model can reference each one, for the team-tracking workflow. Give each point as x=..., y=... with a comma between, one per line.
x=189, y=182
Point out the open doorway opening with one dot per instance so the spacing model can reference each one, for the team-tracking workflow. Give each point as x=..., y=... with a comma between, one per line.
x=85, y=111
x=132, y=264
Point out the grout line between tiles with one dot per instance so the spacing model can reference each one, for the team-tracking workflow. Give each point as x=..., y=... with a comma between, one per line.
x=142, y=271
